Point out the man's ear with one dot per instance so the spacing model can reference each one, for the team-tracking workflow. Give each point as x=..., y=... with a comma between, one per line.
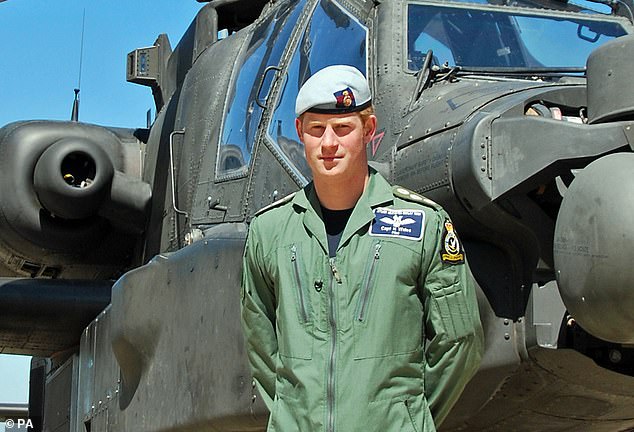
x=298, y=128
x=369, y=129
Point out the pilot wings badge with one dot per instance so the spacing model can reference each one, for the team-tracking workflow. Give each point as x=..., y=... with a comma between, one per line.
x=402, y=223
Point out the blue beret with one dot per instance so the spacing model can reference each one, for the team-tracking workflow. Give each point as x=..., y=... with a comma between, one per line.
x=334, y=90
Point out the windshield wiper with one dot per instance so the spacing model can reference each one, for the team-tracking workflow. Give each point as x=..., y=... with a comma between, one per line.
x=423, y=77
x=430, y=73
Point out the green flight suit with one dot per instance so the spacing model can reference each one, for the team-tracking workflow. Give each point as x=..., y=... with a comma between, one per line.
x=383, y=337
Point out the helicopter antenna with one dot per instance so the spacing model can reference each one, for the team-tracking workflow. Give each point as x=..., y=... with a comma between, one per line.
x=75, y=114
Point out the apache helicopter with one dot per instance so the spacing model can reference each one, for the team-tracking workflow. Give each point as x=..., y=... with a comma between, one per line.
x=120, y=249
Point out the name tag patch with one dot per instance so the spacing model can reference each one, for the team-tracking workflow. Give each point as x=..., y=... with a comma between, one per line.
x=407, y=224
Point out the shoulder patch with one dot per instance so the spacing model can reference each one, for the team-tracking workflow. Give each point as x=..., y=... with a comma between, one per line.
x=275, y=204
x=408, y=195
x=451, y=251
x=401, y=223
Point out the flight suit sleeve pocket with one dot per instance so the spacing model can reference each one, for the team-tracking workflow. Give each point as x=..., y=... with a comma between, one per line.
x=449, y=309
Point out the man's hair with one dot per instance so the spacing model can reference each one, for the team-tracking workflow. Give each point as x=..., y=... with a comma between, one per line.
x=365, y=114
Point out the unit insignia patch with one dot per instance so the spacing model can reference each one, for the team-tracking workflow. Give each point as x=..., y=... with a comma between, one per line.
x=402, y=223
x=451, y=252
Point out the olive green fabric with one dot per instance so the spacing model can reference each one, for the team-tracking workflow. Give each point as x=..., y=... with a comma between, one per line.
x=382, y=338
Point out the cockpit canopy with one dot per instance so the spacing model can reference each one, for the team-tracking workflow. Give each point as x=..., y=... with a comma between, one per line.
x=483, y=37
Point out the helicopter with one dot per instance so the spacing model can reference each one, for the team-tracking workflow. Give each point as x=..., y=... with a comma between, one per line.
x=120, y=253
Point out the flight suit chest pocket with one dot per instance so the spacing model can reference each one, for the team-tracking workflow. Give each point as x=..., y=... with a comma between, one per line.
x=387, y=317
x=295, y=317
x=367, y=283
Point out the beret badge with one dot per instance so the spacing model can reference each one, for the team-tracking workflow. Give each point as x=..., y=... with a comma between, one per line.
x=345, y=98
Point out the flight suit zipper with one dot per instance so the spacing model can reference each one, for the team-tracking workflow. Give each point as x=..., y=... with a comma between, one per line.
x=298, y=282
x=330, y=393
x=365, y=293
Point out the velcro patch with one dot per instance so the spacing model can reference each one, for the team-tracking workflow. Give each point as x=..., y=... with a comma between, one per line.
x=402, y=223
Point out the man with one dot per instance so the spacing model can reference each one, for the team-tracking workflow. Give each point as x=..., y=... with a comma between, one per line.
x=358, y=307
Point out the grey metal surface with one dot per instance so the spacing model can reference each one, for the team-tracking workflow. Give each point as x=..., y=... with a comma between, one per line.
x=174, y=329
x=610, y=89
x=46, y=316
x=99, y=381
x=546, y=315
x=13, y=411
x=60, y=393
x=529, y=149
x=592, y=239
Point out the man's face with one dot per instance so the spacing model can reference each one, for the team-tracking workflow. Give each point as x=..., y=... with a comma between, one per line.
x=335, y=143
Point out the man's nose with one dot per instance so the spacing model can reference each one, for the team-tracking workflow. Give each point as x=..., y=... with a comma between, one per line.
x=329, y=138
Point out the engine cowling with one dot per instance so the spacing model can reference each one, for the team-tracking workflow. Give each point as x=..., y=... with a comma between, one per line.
x=68, y=201
x=72, y=178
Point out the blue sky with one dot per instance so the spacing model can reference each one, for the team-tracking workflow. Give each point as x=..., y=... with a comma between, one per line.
x=39, y=65
x=40, y=45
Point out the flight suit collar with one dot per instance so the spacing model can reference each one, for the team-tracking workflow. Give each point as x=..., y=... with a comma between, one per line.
x=377, y=192
x=306, y=203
